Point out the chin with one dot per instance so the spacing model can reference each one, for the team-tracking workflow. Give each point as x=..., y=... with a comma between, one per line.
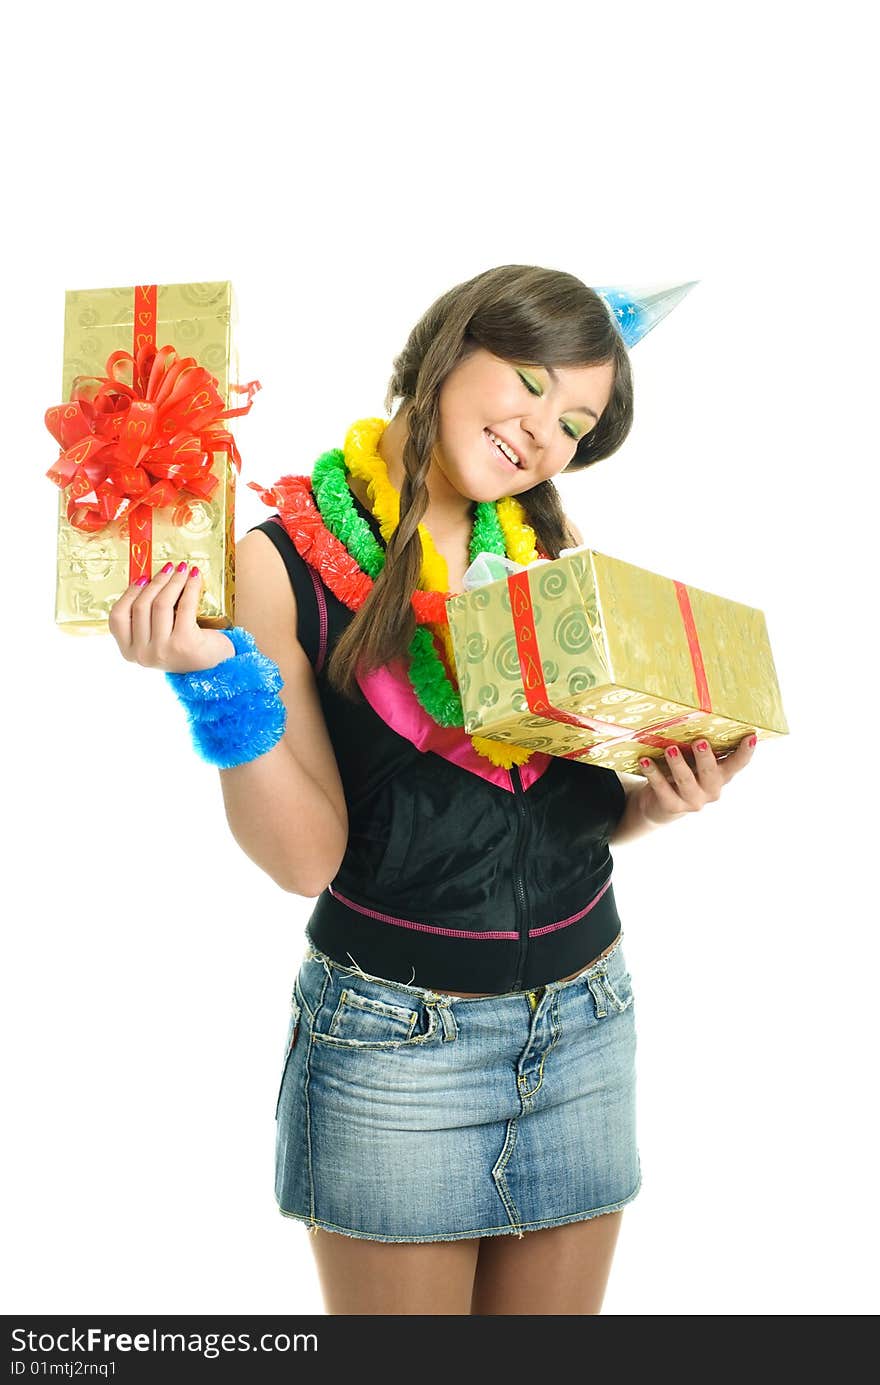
x=482, y=484
x=486, y=493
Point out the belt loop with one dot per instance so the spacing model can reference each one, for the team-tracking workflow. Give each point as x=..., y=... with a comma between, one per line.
x=615, y=998
x=447, y=1018
x=598, y=995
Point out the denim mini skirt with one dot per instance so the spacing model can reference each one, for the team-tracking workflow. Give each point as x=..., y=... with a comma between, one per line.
x=404, y=1114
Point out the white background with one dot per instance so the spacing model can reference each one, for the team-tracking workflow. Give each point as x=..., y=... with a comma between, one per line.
x=344, y=170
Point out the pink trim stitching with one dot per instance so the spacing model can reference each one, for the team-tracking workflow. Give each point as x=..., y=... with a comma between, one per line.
x=563, y=923
x=494, y=935
x=422, y=927
x=322, y=617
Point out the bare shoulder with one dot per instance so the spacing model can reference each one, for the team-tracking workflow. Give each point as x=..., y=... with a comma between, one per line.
x=265, y=605
x=260, y=573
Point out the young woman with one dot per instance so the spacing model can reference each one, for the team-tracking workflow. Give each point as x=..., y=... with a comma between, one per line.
x=456, y=1114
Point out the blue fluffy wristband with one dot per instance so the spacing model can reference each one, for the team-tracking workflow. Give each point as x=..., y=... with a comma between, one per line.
x=233, y=709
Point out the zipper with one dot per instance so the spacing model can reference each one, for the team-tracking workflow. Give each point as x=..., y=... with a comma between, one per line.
x=519, y=884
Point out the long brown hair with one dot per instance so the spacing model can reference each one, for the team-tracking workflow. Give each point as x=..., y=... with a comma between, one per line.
x=518, y=312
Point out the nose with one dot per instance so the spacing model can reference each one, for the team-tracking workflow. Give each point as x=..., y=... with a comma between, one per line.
x=537, y=425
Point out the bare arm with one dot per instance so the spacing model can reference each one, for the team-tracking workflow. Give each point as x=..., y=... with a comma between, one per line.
x=286, y=809
x=633, y=823
x=674, y=788
x=670, y=792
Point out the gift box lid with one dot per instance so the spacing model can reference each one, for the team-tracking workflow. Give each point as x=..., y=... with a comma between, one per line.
x=198, y=319
x=603, y=623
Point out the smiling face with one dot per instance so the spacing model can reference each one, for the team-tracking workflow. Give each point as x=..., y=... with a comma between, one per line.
x=540, y=412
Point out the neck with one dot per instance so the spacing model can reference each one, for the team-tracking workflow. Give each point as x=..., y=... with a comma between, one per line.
x=448, y=511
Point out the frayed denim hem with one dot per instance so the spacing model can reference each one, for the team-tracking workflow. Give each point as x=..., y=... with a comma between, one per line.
x=315, y=1224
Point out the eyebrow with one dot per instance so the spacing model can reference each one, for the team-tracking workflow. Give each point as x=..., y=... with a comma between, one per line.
x=584, y=408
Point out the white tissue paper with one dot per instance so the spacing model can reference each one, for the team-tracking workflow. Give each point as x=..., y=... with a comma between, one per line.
x=491, y=567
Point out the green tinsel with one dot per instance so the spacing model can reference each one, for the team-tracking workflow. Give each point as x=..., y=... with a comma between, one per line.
x=440, y=699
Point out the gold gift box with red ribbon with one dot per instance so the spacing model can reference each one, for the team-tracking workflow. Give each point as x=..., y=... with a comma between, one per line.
x=147, y=467
x=594, y=659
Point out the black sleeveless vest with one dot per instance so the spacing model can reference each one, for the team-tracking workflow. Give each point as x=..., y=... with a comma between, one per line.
x=452, y=881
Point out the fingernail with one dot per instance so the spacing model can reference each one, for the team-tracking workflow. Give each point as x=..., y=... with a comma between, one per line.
x=168, y=567
x=195, y=572
x=673, y=750
x=645, y=764
x=181, y=567
x=753, y=740
x=142, y=581
x=702, y=745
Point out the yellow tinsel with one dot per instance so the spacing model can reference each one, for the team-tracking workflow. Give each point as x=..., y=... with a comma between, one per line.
x=362, y=457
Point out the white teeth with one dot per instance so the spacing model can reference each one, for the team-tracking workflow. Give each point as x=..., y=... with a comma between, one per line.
x=508, y=451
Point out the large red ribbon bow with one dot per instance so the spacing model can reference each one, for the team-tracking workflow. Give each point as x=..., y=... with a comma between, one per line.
x=130, y=449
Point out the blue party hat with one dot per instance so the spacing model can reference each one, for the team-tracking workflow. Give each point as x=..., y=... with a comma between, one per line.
x=636, y=311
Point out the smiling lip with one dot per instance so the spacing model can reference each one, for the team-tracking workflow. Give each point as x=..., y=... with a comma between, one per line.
x=522, y=467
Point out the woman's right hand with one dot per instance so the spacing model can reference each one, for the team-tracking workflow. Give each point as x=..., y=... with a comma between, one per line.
x=155, y=625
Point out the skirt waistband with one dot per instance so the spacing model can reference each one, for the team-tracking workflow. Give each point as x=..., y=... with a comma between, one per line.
x=597, y=968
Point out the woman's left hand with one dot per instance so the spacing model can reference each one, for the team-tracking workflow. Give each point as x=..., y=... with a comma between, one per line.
x=673, y=788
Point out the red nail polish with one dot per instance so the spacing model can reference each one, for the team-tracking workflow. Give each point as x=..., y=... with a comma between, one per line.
x=645, y=764
x=194, y=572
x=181, y=567
x=702, y=745
x=142, y=581
x=753, y=740
x=673, y=750
x=168, y=567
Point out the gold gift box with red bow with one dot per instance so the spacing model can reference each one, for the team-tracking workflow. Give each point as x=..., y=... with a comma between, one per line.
x=592, y=658
x=147, y=467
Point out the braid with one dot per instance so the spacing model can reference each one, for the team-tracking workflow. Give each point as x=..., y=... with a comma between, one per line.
x=517, y=312
x=417, y=453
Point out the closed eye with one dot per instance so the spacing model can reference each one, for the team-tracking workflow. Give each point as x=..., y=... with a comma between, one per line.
x=533, y=389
